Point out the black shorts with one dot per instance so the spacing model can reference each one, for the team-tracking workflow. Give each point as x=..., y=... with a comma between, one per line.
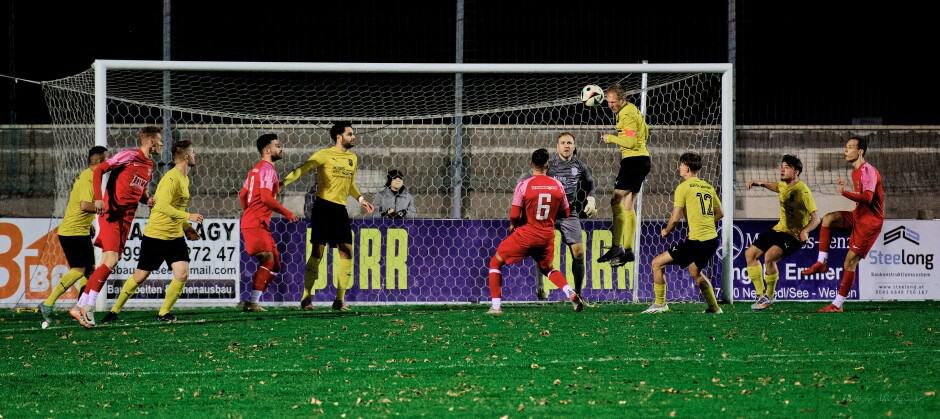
x=153, y=252
x=330, y=224
x=689, y=251
x=633, y=171
x=79, y=252
x=788, y=243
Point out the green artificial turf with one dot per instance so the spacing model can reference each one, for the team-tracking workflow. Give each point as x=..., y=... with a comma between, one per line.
x=876, y=359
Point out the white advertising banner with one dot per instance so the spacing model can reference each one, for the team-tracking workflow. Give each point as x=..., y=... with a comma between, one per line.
x=901, y=265
x=32, y=263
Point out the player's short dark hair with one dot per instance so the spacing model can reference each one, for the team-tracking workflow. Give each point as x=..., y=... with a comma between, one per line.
x=540, y=157
x=180, y=147
x=862, y=143
x=793, y=161
x=264, y=140
x=692, y=160
x=338, y=129
x=149, y=131
x=619, y=90
x=98, y=149
x=564, y=134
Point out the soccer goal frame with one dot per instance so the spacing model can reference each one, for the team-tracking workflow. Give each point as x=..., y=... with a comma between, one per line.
x=102, y=67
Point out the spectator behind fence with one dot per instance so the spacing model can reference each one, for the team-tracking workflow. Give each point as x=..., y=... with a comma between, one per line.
x=395, y=201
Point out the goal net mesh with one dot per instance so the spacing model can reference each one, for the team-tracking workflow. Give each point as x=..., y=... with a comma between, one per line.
x=459, y=156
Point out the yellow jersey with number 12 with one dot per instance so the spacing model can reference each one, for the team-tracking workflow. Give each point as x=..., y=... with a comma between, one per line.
x=699, y=200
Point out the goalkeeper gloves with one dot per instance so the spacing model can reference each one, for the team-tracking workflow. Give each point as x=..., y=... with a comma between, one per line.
x=591, y=208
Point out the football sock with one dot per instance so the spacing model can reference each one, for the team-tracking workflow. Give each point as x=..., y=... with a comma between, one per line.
x=67, y=280
x=91, y=300
x=344, y=278
x=848, y=278
x=771, y=280
x=311, y=275
x=824, y=238
x=557, y=278
x=264, y=274
x=98, y=277
x=129, y=288
x=496, y=280
x=755, y=274
x=173, y=292
x=577, y=268
x=620, y=219
x=628, y=228
x=659, y=290
x=709, y=293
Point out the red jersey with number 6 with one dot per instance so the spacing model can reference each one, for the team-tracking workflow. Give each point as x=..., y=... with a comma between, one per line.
x=540, y=198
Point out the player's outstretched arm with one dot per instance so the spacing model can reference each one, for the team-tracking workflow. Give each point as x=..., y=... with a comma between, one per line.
x=315, y=159
x=768, y=185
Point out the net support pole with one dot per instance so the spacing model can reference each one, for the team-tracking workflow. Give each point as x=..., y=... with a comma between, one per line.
x=456, y=209
x=727, y=183
x=101, y=135
x=167, y=92
x=638, y=230
x=101, y=103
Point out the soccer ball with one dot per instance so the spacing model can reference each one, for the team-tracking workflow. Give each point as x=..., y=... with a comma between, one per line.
x=592, y=95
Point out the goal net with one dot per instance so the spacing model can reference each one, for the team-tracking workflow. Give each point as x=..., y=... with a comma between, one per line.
x=462, y=141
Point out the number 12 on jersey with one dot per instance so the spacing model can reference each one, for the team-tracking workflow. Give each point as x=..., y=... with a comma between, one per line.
x=705, y=202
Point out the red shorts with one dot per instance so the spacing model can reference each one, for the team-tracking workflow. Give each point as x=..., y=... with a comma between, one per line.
x=113, y=234
x=864, y=232
x=519, y=245
x=258, y=240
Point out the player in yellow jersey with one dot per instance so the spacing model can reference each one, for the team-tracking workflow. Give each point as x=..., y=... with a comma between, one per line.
x=698, y=200
x=330, y=224
x=797, y=218
x=163, y=239
x=75, y=234
x=632, y=133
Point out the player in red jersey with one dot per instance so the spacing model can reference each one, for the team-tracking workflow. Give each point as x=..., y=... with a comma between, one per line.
x=535, y=204
x=864, y=222
x=258, y=201
x=130, y=171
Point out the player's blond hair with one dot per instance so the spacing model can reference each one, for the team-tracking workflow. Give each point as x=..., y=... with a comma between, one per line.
x=617, y=89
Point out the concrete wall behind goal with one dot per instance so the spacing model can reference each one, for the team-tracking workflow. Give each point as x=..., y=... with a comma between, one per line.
x=495, y=157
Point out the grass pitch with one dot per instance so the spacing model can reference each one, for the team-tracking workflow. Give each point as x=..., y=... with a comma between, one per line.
x=876, y=359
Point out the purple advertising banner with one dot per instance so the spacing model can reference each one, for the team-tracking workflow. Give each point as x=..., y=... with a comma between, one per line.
x=446, y=261
x=791, y=285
